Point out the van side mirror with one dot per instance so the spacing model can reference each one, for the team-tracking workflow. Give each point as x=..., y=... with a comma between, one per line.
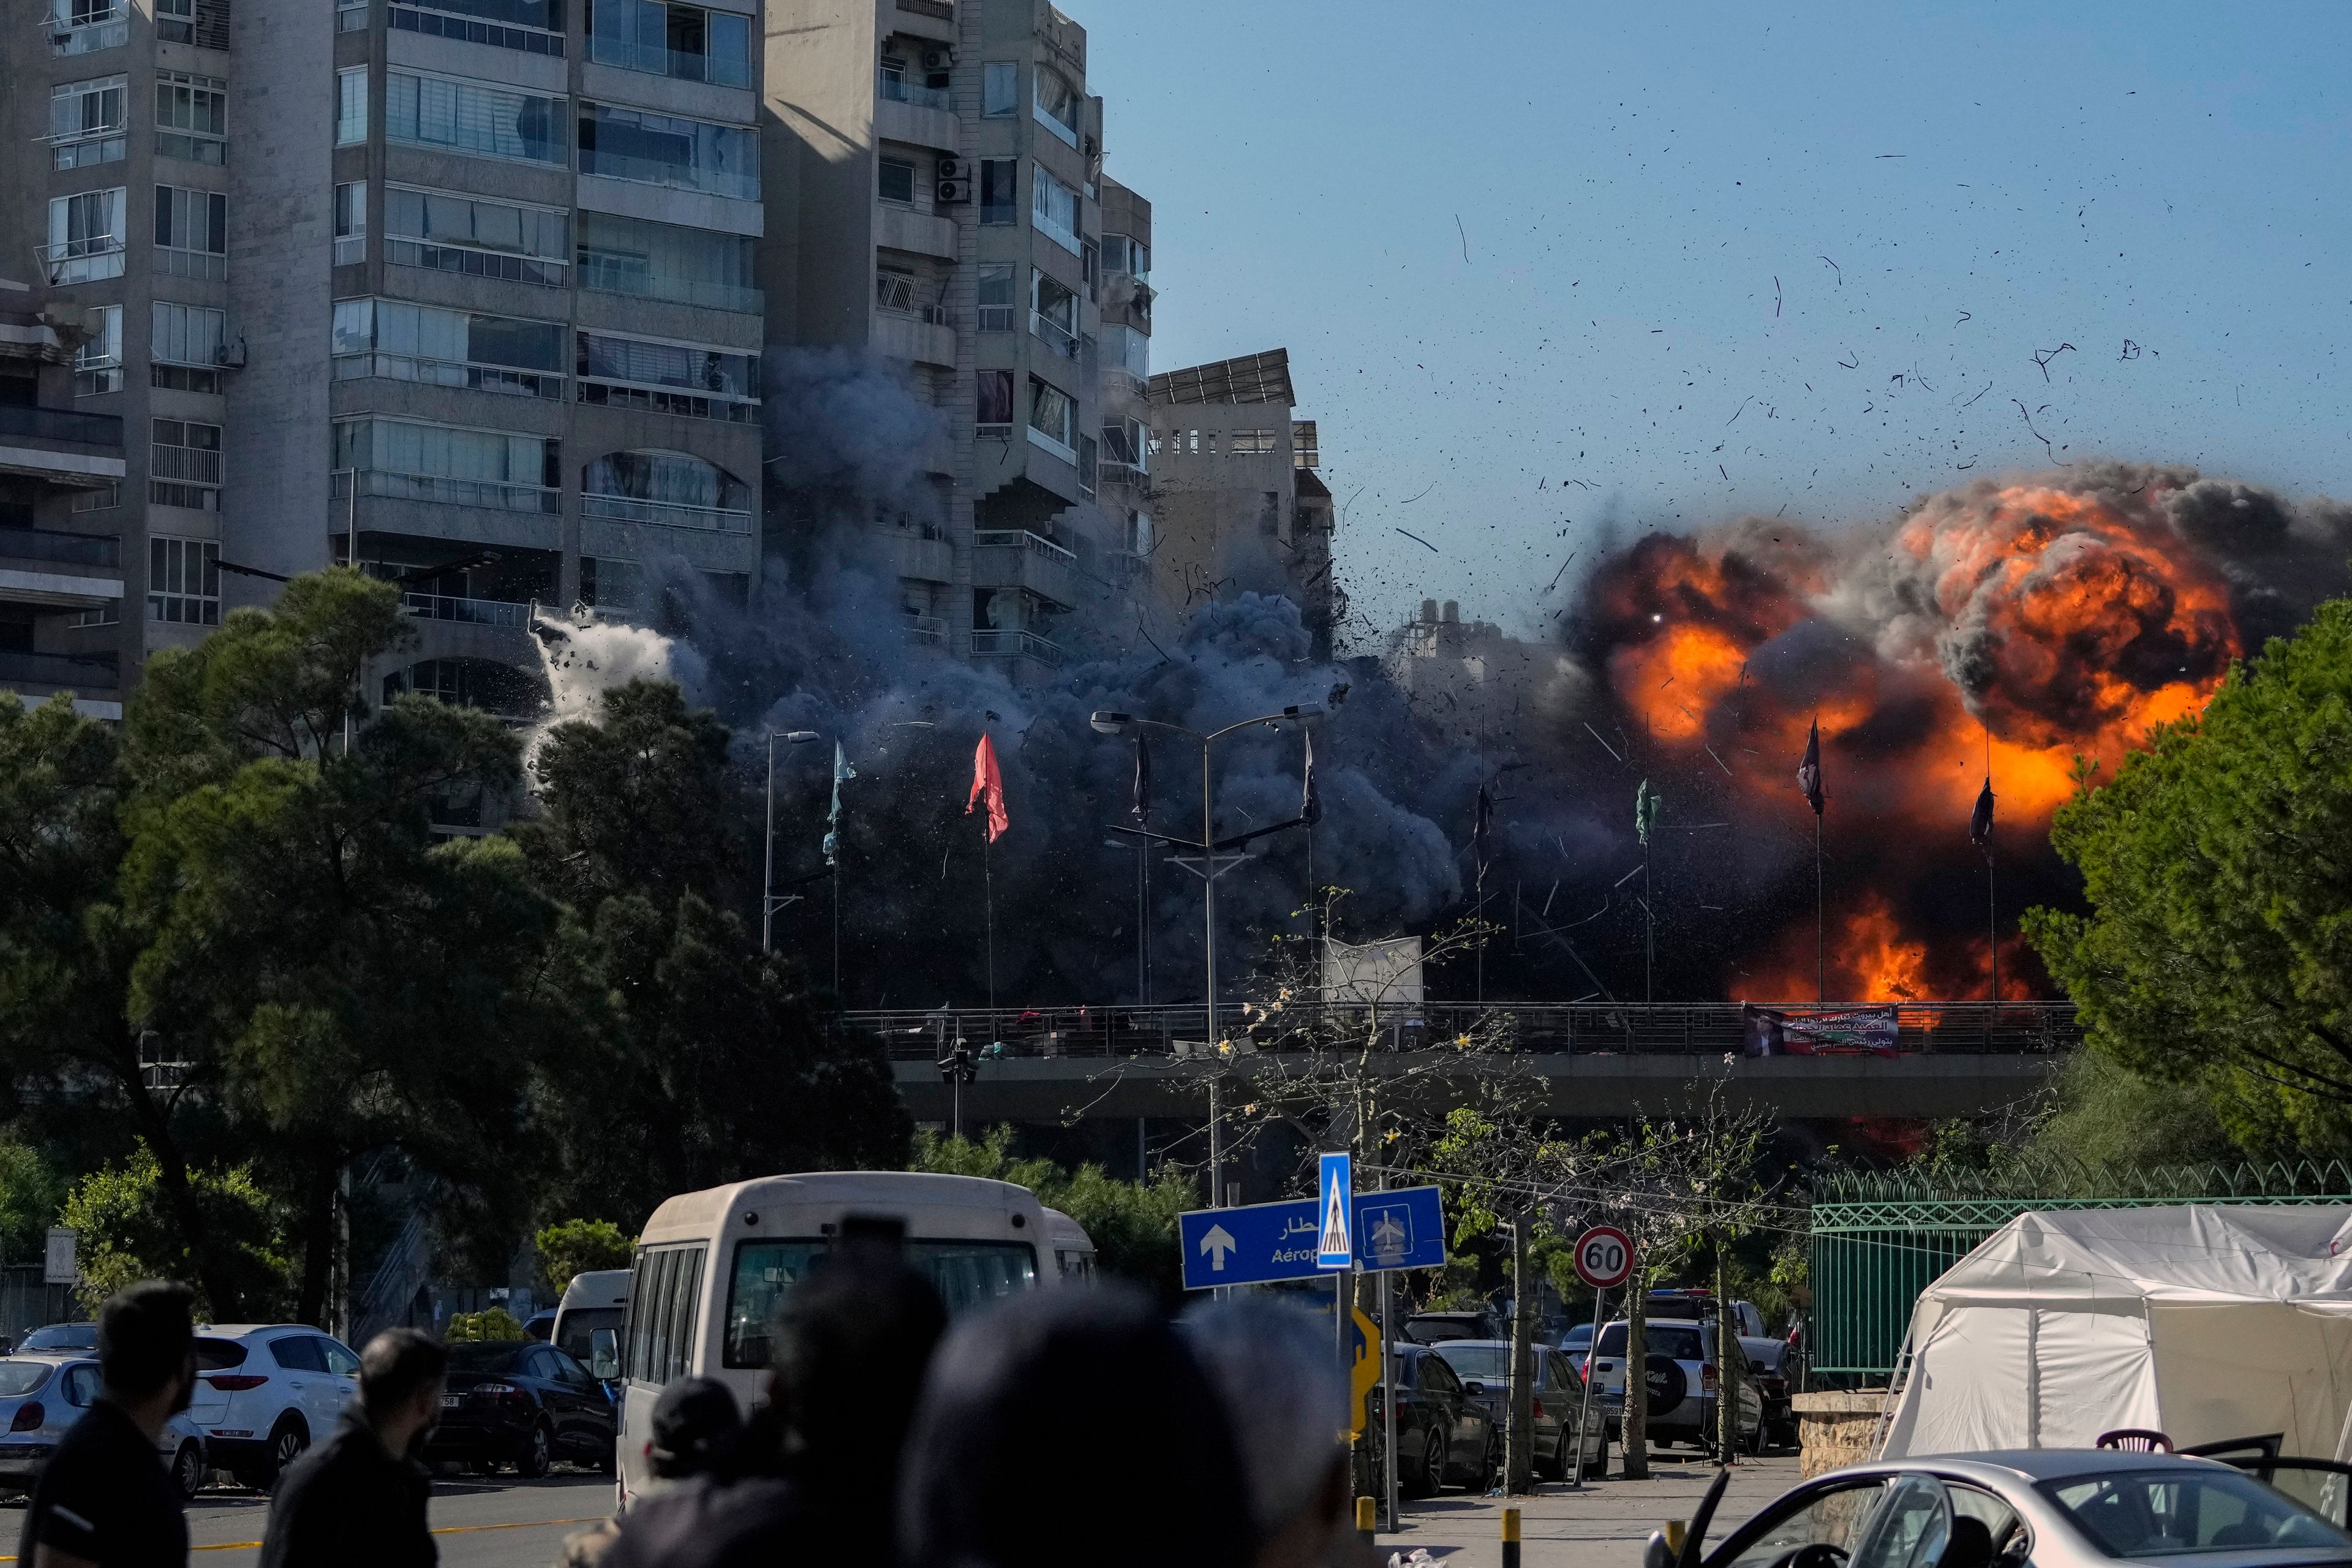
x=604, y=1354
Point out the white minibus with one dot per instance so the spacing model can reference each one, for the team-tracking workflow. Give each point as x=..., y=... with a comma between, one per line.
x=1074, y=1250
x=712, y=1267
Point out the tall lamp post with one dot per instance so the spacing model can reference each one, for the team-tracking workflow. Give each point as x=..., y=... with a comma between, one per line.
x=1108, y=721
x=769, y=902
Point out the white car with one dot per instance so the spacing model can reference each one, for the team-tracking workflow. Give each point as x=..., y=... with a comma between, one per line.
x=43, y=1394
x=265, y=1391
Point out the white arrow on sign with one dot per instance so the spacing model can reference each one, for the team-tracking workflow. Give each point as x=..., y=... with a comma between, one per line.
x=1216, y=1244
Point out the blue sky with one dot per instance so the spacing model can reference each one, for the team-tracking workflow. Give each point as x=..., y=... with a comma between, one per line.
x=1708, y=260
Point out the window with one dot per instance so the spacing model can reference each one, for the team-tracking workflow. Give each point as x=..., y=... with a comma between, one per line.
x=1834, y=1517
x=683, y=41
x=88, y=121
x=665, y=1296
x=1121, y=254
x=351, y=106
x=351, y=223
x=106, y=615
x=1123, y=348
x=1052, y=414
x=995, y=411
x=2186, y=1512
x=1249, y=443
x=86, y=237
x=183, y=468
x=98, y=363
x=203, y=23
x=192, y=232
x=1090, y=265
x=664, y=150
x=667, y=378
x=528, y=26
x=401, y=341
x=297, y=1353
x=1000, y=89
x=1055, y=207
x=448, y=465
x=994, y=301
x=105, y=498
x=675, y=488
x=1086, y=467
x=1057, y=106
x=667, y=261
x=474, y=117
x=185, y=343
x=967, y=1274
x=999, y=201
x=897, y=182
x=85, y=26
x=609, y=584
x=476, y=237
x=341, y=1362
x=1053, y=314
x=81, y=1386
x=191, y=117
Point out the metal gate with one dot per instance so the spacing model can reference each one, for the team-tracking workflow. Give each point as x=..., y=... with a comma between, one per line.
x=1879, y=1238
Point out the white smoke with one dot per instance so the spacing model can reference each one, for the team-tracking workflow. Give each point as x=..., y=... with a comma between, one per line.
x=582, y=657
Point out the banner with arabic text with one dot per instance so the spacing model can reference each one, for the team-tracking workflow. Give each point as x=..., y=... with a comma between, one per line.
x=1817, y=1031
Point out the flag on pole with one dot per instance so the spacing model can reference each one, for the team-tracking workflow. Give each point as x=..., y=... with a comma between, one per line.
x=1482, y=825
x=1139, y=804
x=1809, y=772
x=1310, y=804
x=1647, y=803
x=988, y=784
x=841, y=770
x=1980, y=819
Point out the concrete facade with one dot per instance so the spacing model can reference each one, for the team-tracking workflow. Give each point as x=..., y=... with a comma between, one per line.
x=455, y=282
x=949, y=217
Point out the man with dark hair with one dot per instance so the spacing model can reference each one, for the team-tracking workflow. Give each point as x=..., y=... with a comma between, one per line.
x=357, y=1501
x=105, y=1500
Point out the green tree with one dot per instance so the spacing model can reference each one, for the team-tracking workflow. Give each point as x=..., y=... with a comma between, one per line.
x=580, y=1246
x=2217, y=952
x=125, y=1230
x=1132, y=1224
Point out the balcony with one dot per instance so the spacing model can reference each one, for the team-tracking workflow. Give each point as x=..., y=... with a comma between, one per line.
x=82, y=451
x=912, y=338
x=916, y=233
x=1015, y=558
x=894, y=87
x=472, y=612
x=77, y=672
x=939, y=10
x=927, y=631
x=59, y=571
x=89, y=33
x=84, y=260
x=924, y=559
x=451, y=373
x=1131, y=475
x=435, y=490
x=666, y=514
x=1015, y=644
x=1053, y=334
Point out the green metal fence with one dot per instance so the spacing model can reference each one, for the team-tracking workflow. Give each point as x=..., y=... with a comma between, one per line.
x=1879, y=1238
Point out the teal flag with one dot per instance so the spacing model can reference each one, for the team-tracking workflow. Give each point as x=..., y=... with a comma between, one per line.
x=1647, y=803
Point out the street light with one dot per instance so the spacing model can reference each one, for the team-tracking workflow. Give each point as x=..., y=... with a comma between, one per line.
x=769, y=902
x=1111, y=722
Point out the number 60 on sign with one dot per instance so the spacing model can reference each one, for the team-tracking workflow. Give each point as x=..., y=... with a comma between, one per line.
x=1604, y=1257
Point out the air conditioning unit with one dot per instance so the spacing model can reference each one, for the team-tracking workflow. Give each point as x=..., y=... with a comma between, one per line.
x=230, y=356
x=939, y=58
x=947, y=193
x=955, y=169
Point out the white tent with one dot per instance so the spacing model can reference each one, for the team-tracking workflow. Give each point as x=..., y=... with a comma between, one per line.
x=2203, y=1321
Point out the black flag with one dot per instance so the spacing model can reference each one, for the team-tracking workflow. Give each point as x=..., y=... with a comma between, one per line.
x=1310, y=804
x=1980, y=819
x=1809, y=772
x=1139, y=807
x=1482, y=825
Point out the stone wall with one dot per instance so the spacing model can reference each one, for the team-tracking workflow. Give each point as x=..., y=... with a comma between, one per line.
x=1834, y=1430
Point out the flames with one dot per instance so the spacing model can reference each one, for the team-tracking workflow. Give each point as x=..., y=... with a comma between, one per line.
x=2002, y=629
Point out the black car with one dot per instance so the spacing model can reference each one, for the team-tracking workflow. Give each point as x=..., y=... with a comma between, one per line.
x=1436, y=1328
x=1442, y=1433
x=520, y=1403
x=1777, y=1367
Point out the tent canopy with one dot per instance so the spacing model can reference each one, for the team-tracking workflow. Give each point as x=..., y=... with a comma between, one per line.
x=2202, y=1321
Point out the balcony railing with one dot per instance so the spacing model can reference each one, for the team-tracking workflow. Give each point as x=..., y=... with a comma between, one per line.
x=893, y=86
x=84, y=149
x=83, y=260
x=1015, y=644
x=62, y=424
x=988, y=432
x=65, y=549
x=205, y=266
x=939, y=9
x=1114, y=472
x=667, y=514
x=82, y=672
x=451, y=373
x=435, y=490
x=474, y=611
x=929, y=631
x=620, y=274
x=1022, y=539
x=190, y=465
x=87, y=34
x=1055, y=335
x=472, y=30
x=675, y=176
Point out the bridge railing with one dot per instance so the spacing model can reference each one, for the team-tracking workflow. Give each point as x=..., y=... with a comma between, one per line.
x=1590, y=1029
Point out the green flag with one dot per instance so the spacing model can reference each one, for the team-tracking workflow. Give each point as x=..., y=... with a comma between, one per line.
x=1647, y=802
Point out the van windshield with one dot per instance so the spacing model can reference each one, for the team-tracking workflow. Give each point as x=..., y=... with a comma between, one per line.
x=577, y=1323
x=967, y=1273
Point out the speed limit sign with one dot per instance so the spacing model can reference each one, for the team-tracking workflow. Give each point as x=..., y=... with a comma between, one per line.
x=1604, y=1257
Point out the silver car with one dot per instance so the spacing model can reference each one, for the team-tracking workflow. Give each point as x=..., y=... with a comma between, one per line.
x=1484, y=1368
x=42, y=1395
x=2045, y=1507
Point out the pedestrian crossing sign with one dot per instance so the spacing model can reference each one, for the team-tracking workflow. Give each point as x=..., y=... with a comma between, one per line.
x=1334, y=1247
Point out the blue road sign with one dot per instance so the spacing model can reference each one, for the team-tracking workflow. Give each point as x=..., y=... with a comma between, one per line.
x=1402, y=1229
x=1335, y=1183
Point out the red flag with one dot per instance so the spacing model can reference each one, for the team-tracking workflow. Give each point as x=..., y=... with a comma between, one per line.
x=988, y=784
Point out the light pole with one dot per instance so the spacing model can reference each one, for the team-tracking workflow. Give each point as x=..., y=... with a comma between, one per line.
x=1142, y=916
x=1108, y=721
x=769, y=902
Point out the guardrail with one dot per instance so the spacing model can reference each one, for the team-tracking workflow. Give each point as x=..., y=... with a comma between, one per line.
x=93, y=672
x=1589, y=1028
x=70, y=549
x=62, y=424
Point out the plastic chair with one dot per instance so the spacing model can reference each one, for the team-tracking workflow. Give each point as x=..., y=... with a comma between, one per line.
x=2136, y=1440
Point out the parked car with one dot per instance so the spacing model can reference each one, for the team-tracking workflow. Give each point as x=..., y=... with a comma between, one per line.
x=1436, y=1328
x=1778, y=1368
x=1697, y=1302
x=265, y=1392
x=1484, y=1368
x=1682, y=1380
x=540, y=1326
x=62, y=1337
x=522, y=1403
x=2054, y=1508
x=1578, y=1339
x=43, y=1394
x=1442, y=1433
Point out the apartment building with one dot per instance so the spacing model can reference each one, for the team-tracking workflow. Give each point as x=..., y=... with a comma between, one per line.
x=948, y=214
x=1240, y=505
x=466, y=288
